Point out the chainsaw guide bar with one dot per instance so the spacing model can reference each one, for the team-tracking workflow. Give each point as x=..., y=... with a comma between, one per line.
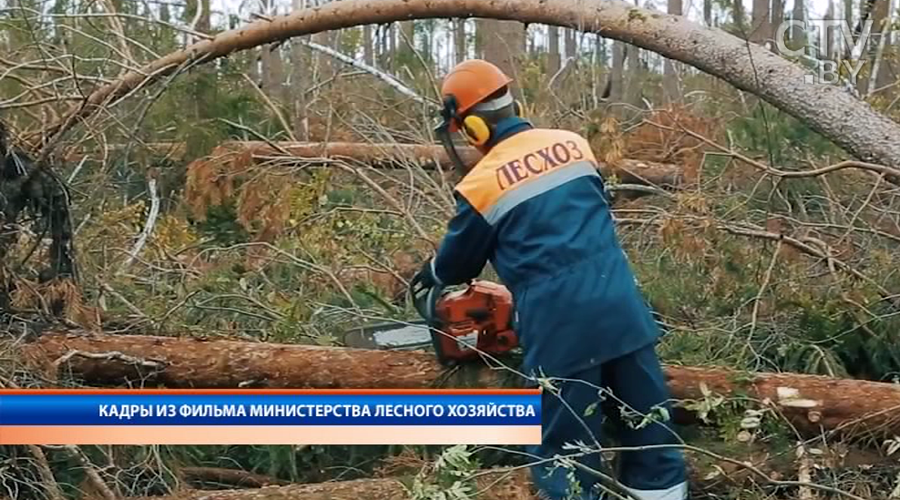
x=390, y=336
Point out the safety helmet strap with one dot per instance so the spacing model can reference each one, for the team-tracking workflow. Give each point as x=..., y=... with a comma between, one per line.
x=449, y=114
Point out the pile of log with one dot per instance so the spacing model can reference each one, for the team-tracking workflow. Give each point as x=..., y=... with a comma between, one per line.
x=812, y=404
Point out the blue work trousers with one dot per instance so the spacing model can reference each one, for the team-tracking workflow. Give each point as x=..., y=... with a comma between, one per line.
x=635, y=380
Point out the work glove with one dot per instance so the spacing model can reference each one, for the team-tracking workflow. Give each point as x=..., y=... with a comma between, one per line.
x=423, y=281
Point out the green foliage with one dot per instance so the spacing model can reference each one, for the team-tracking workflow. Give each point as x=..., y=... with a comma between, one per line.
x=767, y=131
x=451, y=479
x=222, y=227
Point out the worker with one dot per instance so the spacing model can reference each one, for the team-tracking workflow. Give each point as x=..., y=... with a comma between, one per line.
x=535, y=207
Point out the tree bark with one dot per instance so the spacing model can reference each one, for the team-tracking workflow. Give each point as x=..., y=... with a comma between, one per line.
x=459, y=39
x=406, y=44
x=777, y=18
x=671, y=84
x=213, y=363
x=300, y=62
x=571, y=46
x=368, y=45
x=829, y=48
x=740, y=17
x=761, y=24
x=273, y=73
x=634, y=76
x=813, y=404
x=553, y=59
x=504, y=45
x=879, y=49
x=851, y=124
x=617, y=72
x=798, y=34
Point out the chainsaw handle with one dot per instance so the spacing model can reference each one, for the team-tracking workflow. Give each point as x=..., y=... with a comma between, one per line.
x=426, y=303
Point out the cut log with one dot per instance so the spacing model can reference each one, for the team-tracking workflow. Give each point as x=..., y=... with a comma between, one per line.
x=811, y=403
x=212, y=363
x=837, y=115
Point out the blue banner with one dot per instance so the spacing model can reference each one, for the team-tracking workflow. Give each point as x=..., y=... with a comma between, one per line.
x=266, y=409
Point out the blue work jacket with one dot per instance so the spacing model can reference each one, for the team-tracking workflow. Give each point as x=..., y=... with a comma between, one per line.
x=535, y=207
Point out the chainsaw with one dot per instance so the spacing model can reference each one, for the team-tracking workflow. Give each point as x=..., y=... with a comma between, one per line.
x=459, y=325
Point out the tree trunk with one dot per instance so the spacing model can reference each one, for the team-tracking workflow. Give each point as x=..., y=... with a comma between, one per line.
x=777, y=19
x=553, y=60
x=617, y=73
x=798, y=35
x=879, y=48
x=368, y=49
x=481, y=27
x=830, y=46
x=277, y=82
x=253, y=66
x=853, y=125
x=891, y=70
x=571, y=44
x=203, y=363
x=811, y=403
x=761, y=24
x=300, y=61
x=459, y=39
x=324, y=65
x=848, y=12
x=406, y=44
x=671, y=84
x=634, y=76
x=740, y=18
x=504, y=45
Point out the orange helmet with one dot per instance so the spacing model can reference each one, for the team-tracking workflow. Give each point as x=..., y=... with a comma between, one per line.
x=470, y=82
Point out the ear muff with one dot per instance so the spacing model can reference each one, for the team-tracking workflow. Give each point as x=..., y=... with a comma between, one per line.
x=476, y=130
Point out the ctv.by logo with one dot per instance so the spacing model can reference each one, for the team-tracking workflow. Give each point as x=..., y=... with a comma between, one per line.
x=836, y=49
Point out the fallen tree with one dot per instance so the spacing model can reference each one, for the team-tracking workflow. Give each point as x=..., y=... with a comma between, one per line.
x=837, y=115
x=627, y=170
x=390, y=155
x=811, y=403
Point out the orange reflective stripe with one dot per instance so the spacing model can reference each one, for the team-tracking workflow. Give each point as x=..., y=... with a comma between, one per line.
x=521, y=160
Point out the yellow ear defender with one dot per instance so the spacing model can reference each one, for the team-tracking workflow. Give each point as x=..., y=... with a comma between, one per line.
x=476, y=130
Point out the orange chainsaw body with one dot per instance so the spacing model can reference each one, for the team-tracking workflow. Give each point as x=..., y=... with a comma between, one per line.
x=479, y=316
